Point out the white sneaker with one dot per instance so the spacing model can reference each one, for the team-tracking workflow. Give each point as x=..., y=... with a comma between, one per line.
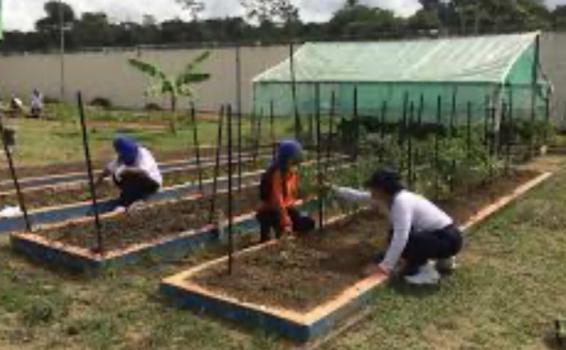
x=427, y=275
x=446, y=265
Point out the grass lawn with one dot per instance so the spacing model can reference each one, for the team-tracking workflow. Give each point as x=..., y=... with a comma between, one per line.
x=47, y=142
x=510, y=287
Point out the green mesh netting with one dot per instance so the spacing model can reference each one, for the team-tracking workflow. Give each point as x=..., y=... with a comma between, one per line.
x=386, y=76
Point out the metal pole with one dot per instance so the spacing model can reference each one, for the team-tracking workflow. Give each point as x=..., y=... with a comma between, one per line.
x=196, y=145
x=331, y=128
x=437, y=147
x=100, y=247
x=230, y=193
x=272, y=127
x=14, y=175
x=356, y=124
x=410, y=145
x=469, y=131
x=510, y=132
x=239, y=112
x=298, y=126
x=534, y=78
x=258, y=142
x=382, y=129
x=216, y=166
x=62, y=49
x=319, y=159
x=402, y=125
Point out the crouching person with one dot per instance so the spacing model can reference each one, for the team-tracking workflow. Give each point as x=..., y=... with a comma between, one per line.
x=134, y=171
x=421, y=232
x=278, y=192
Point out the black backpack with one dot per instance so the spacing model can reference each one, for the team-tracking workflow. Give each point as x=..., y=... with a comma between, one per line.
x=266, y=183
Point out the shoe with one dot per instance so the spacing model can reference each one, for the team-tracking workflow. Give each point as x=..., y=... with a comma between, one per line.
x=427, y=275
x=136, y=206
x=446, y=266
x=119, y=210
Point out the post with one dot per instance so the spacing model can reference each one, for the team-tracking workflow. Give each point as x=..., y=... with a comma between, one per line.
x=453, y=115
x=14, y=175
x=100, y=248
x=216, y=166
x=330, y=140
x=356, y=124
x=382, y=129
x=510, y=133
x=272, y=127
x=230, y=194
x=410, y=145
x=486, y=121
x=196, y=145
x=258, y=142
x=534, y=78
x=319, y=159
x=239, y=112
x=402, y=126
x=298, y=127
x=468, y=131
x=437, y=148
x=62, y=49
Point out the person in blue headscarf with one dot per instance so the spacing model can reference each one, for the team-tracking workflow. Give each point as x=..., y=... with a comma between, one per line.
x=278, y=191
x=134, y=171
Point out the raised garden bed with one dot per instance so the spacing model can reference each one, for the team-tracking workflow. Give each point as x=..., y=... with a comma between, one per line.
x=59, y=214
x=303, y=289
x=173, y=230
x=79, y=191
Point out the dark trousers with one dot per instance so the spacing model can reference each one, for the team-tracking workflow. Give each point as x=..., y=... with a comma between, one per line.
x=424, y=246
x=270, y=219
x=135, y=187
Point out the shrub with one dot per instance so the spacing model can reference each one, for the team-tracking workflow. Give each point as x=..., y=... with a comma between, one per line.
x=102, y=102
x=153, y=107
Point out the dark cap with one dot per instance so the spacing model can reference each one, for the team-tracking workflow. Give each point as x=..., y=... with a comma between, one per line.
x=385, y=179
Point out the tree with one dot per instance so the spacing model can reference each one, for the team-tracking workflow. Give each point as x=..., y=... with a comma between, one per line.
x=93, y=29
x=195, y=7
x=559, y=18
x=173, y=86
x=361, y=21
x=277, y=11
x=48, y=27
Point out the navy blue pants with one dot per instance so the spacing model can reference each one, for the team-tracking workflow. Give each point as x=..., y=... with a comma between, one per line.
x=270, y=219
x=135, y=187
x=424, y=246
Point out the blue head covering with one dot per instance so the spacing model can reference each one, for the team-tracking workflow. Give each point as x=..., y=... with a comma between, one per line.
x=127, y=150
x=288, y=150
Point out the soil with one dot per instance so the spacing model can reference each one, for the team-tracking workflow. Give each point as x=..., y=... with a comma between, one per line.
x=319, y=267
x=150, y=223
x=52, y=196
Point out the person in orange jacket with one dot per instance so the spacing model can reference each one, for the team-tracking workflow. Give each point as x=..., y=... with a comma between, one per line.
x=278, y=192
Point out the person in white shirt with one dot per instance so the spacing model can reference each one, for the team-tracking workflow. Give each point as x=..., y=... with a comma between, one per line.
x=36, y=104
x=134, y=171
x=421, y=232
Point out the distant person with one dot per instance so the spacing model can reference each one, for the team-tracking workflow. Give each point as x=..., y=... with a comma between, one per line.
x=278, y=192
x=134, y=171
x=421, y=232
x=16, y=106
x=36, y=104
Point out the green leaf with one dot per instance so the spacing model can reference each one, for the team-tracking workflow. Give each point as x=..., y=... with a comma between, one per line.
x=148, y=68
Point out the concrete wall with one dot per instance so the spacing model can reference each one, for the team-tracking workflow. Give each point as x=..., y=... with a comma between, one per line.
x=107, y=74
x=553, y=58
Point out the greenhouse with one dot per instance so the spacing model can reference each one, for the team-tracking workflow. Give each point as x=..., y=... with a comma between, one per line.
x=448, y=75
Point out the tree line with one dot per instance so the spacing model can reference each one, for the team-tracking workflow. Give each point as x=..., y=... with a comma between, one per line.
x=277, y=21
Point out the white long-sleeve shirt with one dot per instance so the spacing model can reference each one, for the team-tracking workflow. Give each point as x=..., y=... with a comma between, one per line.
x=145, y=161
x=409, y=213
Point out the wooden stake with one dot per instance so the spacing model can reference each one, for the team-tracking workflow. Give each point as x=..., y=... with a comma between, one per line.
x=100, y=247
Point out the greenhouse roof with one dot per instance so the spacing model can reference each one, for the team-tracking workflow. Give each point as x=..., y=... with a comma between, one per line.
x=483, y=59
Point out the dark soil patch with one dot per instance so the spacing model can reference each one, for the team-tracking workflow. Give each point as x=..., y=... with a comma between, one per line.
x=301, y=274
x=151, y=223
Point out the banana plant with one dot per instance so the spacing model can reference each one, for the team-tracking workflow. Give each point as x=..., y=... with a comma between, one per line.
x=173, y=86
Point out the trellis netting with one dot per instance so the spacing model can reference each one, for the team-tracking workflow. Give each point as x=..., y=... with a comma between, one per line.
x=501, y=69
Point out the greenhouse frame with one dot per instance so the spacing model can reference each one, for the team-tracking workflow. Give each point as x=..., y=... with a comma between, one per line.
x=435, y=76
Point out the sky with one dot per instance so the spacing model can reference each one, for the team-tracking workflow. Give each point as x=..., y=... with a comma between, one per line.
x=22, y=14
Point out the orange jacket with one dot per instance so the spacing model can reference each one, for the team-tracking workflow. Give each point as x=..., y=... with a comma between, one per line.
x=283, y=194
